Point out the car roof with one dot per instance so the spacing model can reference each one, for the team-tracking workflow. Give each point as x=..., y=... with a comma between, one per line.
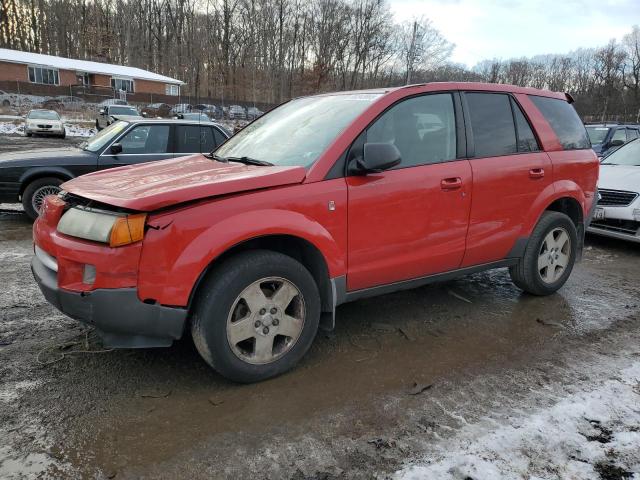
x=479, y=86
x=176, y=121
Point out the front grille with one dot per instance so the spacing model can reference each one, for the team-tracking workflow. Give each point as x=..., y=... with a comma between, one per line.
x=629, y=227
x=616, y=198
x=44, y=126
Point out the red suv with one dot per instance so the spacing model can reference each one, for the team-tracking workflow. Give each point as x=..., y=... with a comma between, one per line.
x=324, y=200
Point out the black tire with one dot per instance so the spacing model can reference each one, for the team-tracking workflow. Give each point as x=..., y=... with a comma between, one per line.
x=98, y=128
x=32, y=189
x=64, y=134
x=28, y=134
x=6, y=103
x=525, y=274
x=220, y=291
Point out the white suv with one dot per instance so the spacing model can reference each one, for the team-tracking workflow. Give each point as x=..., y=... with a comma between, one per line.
x=618, y=211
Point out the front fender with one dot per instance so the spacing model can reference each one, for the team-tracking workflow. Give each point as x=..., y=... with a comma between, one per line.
x=177, y=275
x=48, y=171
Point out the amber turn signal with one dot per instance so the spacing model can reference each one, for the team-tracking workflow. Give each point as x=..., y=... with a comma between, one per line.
x=127, y=230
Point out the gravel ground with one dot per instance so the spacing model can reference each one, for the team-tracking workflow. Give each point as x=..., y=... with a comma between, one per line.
x=464, y=379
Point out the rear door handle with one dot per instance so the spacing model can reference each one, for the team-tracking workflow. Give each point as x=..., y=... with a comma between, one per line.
x=452, y=183
x=536, y=173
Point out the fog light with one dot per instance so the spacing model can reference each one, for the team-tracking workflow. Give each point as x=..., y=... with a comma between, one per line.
x=89, y=274
x=636, y=214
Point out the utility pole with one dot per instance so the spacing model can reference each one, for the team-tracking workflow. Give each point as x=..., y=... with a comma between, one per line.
x=411, y=53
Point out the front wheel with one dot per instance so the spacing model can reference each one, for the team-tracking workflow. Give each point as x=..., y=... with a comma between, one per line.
x=35, y=193
x=549, y=256
x=256, y=315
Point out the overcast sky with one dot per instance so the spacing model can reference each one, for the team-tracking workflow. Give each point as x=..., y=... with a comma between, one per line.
x=485, y=29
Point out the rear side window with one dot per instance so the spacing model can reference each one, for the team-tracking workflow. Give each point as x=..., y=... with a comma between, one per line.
x=564, y=121
x=492, y=123
x=526, y=139
x=631, y=133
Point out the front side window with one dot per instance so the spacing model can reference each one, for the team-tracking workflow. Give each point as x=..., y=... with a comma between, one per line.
x=620, y=134
x=297, y=132
x=564, y=121
x=492, y=123
x=422, y=128
x=47, y=76
x=146, y=139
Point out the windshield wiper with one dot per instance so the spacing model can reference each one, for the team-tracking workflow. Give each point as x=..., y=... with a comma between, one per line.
x=250, y=161
x=215, y=157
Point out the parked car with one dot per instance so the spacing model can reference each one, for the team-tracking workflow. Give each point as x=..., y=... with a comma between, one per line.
x=253, y=113
x=157, y=110
x=618, y=212
x=44, y=122
x=196, y=116
x=236, y=112
x=112, y=113
x=181, y=108
x=28, y=176
x=112, y=101
x=321, y=201
x=608, y=136
x=211, y=110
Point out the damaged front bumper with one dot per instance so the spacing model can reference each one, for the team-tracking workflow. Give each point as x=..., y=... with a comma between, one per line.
x=120, y=317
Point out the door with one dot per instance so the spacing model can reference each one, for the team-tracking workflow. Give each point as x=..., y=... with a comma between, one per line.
x=410, y=221
x=142, y=143
x=509, y=172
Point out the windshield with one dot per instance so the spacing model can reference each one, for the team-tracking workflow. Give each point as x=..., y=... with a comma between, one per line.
x=122, y=111
x=628, y=154
x=297, y=132
x=43, y=115
x=597, y=134
x=103, y=137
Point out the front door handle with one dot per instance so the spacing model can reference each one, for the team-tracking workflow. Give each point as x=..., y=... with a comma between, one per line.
x=536, y=173
x=452, y=183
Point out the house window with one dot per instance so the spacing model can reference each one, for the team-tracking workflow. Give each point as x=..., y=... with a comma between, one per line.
x=48, y=76
x=83, y=78
x=125, y=84
x=172, y=90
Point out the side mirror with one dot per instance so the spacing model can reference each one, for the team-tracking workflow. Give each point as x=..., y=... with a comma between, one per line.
x=102, y=111
x=144, y=114
x=376, y=158
x=616, y=143
x=116, y=148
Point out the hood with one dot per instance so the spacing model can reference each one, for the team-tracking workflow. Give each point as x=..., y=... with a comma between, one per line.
x=42, y=157
x=150, y=186
x=126, y=117
x=620, y=177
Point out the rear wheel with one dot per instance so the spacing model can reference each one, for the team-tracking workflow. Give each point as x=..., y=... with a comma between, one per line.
x=256, y=315
x=35, y=193
x=549, y=256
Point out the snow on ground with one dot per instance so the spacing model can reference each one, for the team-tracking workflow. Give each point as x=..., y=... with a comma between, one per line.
x=591, y=434
x=73, y=130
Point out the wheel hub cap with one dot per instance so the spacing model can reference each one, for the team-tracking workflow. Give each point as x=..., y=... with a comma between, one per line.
x=266, y=320
x=554, y=256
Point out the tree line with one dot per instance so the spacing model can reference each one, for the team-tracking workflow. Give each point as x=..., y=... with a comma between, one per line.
x=267, y=51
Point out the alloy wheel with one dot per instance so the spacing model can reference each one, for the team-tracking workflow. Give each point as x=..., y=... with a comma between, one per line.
x=554, y=255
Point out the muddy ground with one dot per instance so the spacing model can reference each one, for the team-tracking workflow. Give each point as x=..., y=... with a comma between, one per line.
x=465, y=379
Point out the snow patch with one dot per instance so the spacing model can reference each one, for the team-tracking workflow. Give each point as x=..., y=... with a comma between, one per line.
x=568, y=440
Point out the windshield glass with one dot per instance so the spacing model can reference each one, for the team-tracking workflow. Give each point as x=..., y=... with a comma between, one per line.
x=103, y=137
x=629, y=154
x=122, y=111
x=43, y=115
x=297, y=132
x=597, y=134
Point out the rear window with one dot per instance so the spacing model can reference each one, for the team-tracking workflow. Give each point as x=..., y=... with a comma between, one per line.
x=564, y=121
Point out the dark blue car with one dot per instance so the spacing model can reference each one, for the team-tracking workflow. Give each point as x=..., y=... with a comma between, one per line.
x=606, y=137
